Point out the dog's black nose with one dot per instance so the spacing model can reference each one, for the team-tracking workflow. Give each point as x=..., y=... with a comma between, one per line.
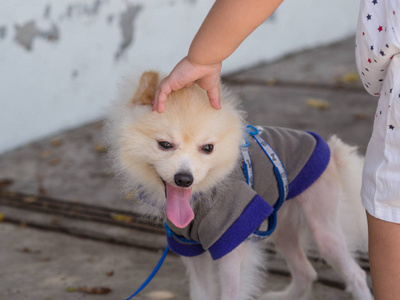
x=183, y=179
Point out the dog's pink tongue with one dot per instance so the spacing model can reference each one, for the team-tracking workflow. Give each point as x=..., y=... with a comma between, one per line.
x=179, y=211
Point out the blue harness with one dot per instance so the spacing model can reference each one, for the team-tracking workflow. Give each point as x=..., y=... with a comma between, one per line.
x=283, y=185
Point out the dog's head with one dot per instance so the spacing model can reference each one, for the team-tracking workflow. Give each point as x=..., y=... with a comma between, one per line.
x=189, y=148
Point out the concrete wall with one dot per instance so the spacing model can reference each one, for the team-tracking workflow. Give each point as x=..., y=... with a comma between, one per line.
x=60, y=60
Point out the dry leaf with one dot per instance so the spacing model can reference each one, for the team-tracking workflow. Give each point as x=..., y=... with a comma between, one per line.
x=45, y=153
x=317, y=103
x=1, y=217
x=30, y=199
x=5, y=182
x=54, y=161
x=271, y=81
x=130, y=195
x=111, y=273
x=56, y=142
x=363, y=117
x=349, y=78
x=121, y=217
x=161, y=295
x=100, y=148
x=91, y=290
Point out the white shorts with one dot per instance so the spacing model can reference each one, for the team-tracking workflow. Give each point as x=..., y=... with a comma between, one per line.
x=378, y=62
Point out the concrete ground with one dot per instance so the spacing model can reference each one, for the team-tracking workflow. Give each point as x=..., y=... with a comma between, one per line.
x=66, y=229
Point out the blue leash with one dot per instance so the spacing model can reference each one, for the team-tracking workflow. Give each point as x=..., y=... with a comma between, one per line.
x=151, y=276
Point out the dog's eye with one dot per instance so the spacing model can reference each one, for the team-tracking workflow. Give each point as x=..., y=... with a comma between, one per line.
x=165, y=145
x=207, y=148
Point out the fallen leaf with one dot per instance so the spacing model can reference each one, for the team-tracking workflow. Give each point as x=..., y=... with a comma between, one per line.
x=54, y=161
x=1, y=217
x=30, y=199
x=90, y=290
x=5, y=193
x=45, y=153
x=56, y=142
x=271, y=81
x=121, y=217
x=46, y=259
x=42, y=190
x=161, y=295
x=100, y=148
x=317, y=103
x=349, y=78
x=111, y=273
x=363, y=117
x=5, y=182
x=130, y=195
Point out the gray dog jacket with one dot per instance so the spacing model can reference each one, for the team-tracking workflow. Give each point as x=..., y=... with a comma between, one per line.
x=233, y=211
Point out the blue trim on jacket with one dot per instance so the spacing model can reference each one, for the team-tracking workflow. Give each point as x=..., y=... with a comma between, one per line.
x=250, y=220
x=313, y=169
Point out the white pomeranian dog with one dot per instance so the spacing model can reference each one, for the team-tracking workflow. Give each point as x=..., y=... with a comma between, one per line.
x=222, y=187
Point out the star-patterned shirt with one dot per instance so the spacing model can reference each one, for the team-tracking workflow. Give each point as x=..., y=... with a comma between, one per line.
x=378, y=63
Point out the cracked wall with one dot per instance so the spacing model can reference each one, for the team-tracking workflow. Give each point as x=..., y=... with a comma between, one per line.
x=61, y=60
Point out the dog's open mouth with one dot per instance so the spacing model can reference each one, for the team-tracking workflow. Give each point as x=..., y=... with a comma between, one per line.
x=179, y=211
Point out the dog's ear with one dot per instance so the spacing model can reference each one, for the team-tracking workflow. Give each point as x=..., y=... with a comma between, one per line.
x=146, y=89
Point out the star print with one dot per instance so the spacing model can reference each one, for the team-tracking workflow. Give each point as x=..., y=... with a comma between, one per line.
x=369, y=60
x=380, y=28
x=382, y=53
x=391, y=127
x=374, y=2
x=387, y=46
x=369, y=17
x=372, y=47
x=391, y=90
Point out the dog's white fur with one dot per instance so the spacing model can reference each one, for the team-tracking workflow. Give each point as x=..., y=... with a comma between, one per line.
x=328, y=214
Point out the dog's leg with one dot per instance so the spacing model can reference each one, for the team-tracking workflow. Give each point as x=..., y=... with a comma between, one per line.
x=321, y=204
x=239, y=274
x=286, y=238
x=201, y=270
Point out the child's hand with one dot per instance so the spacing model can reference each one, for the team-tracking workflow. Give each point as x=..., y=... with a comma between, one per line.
x=186, y=74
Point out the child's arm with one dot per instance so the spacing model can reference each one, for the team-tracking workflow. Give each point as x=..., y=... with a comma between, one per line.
x=226, y=26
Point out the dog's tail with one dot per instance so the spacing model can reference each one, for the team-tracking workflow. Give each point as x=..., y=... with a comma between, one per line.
x=352, y=213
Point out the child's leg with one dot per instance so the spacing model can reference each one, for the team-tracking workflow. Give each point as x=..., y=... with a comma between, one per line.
x=384, y=257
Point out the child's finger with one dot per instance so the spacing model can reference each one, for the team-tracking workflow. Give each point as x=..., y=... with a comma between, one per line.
x=213, y=96
x=161, y=96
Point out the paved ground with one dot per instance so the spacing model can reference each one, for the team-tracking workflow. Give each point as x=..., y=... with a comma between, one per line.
x=315, y=90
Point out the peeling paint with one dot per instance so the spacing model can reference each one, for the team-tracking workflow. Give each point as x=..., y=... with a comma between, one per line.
x=26, y=34
x=74, y=74
x=110, y=19
x=80, y=9
x=47, y=12
x=127, y=27
x=3, y=32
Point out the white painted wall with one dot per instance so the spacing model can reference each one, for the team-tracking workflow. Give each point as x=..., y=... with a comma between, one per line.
x=60, y=60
